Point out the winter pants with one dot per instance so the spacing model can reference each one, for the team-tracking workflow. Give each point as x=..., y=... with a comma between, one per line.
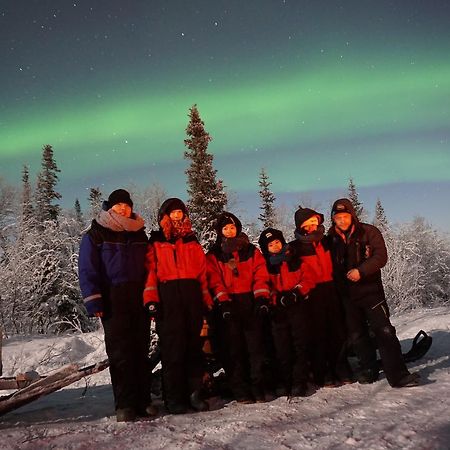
x=328, y=334
x=179, y=327
x=127, y=335
x=244, y=339
x=290, y=328
x=358, y=317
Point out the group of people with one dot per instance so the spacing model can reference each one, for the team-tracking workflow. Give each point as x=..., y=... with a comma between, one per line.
x=285, y=316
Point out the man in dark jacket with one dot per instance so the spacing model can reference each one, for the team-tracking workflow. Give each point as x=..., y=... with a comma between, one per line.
x=112, y=275
x=359, y=253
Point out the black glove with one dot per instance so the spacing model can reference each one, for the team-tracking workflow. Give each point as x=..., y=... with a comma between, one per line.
x=226, y=309
x=289, y=298
x=152, y=308
x=262, y=306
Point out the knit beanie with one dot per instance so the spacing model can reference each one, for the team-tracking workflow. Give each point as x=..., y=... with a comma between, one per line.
x=119, y=196
x=226, y=218
x=303, y=214
x=343, y=205
x=269, y=235
x=170, y=205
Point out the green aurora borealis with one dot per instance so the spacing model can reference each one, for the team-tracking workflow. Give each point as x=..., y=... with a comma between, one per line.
x=312, y=113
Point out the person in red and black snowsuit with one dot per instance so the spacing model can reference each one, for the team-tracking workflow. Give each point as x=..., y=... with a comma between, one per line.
x=328, y=349
x=112, y=276
x=291, y=281
x=176, y=294
x=238, y=278
x=359, y=253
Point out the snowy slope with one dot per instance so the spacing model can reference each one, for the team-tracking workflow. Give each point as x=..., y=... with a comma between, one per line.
x=349, y=417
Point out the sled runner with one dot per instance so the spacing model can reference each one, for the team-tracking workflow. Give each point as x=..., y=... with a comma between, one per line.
x=32, y=387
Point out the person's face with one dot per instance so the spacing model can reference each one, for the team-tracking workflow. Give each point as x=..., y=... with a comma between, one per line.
x=275, y=246
x=310, y=225
x=343, y=220
x=122, y=209
x=176, y=215
x=229, y=230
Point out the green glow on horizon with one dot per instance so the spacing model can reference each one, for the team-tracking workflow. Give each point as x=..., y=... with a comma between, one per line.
x=269, y=112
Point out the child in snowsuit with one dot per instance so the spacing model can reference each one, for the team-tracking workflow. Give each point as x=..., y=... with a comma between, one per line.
x=291, y=281
x=328, y=340
x=112, y=276
x=359, y=253
x=176, y=294
x=238, y=278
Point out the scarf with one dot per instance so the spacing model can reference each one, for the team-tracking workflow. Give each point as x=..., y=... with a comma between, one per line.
x=277, y=258
x=174, y=230
x=115, y=222
x=230, y=245
x=315, y=236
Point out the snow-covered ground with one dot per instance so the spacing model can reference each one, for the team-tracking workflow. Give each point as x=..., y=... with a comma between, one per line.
x=81, y=416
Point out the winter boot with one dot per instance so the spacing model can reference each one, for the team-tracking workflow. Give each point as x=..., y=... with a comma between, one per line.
x=299, y=390
x=176, y=408
x=197, y=402
x=410, y=380
x=367, y=376
x=148, y=411
x=125, y=415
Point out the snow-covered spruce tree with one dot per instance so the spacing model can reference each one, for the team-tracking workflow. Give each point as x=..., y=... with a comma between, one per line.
x=207, y=197
x=78, y=213
x=354, y=198
x=267, y=216
x=45, y=188
x=95, y=201
x=380, y=219
x=8, y=215
x=27, y=210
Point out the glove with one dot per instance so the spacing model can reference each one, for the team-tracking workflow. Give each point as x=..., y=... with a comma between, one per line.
x=152, y=308
x=289, y=298
x=262, y=306
x=225, y=309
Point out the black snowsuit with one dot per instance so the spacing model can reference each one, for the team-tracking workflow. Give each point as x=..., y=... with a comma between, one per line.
x=364, y=301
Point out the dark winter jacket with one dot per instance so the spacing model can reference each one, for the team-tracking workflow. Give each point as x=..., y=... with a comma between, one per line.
x=109, y=258
x=362, y=248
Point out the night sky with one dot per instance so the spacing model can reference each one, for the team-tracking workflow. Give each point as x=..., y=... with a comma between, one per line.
x=313, y=91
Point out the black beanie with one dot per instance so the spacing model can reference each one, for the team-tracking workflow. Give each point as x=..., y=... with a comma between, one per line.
x=269, y=235
x=303, y=214
x=343, y=205
x=224, y=219
x=170, y=205
x=119, y=196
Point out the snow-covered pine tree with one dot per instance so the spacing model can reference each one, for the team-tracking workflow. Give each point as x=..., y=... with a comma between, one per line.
x=267, y=216
x=380, y=219
x=354, y=198
x=27, y=210
x=95, y=201
x=45, y=188
x=207, y=197
x=78, y=213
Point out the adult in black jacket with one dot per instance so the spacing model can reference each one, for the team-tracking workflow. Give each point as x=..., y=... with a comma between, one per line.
x=359, y=253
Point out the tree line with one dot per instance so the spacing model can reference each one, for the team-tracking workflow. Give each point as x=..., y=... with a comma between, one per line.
x=39, y=240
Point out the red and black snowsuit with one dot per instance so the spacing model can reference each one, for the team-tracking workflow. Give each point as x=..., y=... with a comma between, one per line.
x=328, y=337
x=240, y=278
x=177, y=283
x=290, y=322
x=363, y=248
